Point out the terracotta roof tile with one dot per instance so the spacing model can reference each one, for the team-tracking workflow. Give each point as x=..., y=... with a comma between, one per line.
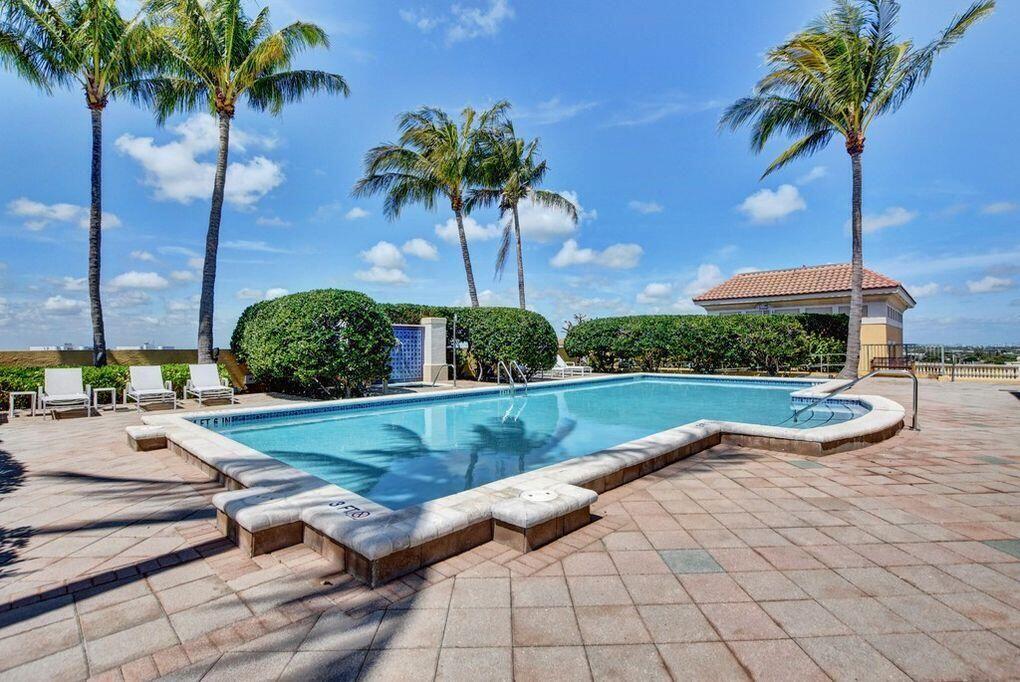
x=813, y=279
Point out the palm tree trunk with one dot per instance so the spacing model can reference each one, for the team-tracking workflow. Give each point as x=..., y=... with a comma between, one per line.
x=853, y=339
x=212, y=242
x=472, y=292
x=520, y=258
x=96, y=239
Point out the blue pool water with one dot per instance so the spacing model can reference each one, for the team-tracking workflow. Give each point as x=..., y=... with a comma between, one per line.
x=402, y=454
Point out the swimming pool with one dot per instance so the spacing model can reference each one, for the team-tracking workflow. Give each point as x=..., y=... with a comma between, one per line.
x=404, y=452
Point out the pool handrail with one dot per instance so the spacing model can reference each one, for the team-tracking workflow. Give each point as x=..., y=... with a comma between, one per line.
x=846, y=387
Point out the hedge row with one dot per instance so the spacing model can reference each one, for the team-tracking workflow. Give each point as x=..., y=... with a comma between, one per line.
x=322, y=343
x=706, y=343
x=110, y=376
x=490, y=334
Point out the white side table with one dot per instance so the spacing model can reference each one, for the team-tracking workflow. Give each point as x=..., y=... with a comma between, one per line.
x=31, y=395
x=113, y=398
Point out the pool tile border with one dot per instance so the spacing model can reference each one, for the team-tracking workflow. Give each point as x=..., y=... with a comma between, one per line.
x=270, y=504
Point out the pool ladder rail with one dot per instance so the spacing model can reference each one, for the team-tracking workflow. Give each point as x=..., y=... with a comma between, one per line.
x=508, y=368
x=442, y=368
x=900, y=372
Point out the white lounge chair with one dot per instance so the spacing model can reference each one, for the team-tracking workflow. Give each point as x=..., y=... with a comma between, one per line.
x=564, y=369
x=64, y=387
x=146, y=386
x=205, y=383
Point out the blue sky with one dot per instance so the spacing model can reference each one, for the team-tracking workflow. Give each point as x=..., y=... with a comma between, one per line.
x=625, y=101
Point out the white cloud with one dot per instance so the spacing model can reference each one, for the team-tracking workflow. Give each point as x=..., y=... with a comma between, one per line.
x=176, y=173
x=989, y=284
x=686, y=306
x=60, y=305
x=709, y=275
x=815, y=173
x=385, y=255
x=143, y=256
x=38, y=215
x=1000, y=207
x=656, y=292
x=474, y=231
x=272, y=221
x=645, y=207
x=893, y=216
x=387, y=265
x=475, y=22
x=553, y=111
x=275, y=292
x=543, y=224
x=177, y=251
x=919, y=291
x=139, y=280
x=326, y=212
x=380, y=275
x=662, y=106
x=249, y=294
x=420, y=20
x=197, y=263
x=249, y=245
x=926, y=264
x=73, y=283
x=183, y=275
x=768, y=206
x=128, y=299
x=421, y=248
x=617, y=256
x=487, y=297
x=356, y=213
x=463, y=22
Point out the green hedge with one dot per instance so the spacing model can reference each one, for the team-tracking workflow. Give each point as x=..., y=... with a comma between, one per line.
x=491, y=334
x=706, y=342
x=323, y=343
x=110, y=376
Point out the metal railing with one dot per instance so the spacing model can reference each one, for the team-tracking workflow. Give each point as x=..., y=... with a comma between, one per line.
x=509, y=367
x=520, y=370
x=442, y=368
x=500, y=367
x=902, y=372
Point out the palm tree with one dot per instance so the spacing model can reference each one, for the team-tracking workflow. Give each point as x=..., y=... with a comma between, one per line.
x=510, y=173
x=434, y=158
x=85, y=44
x=836, y=77
x=215, y=54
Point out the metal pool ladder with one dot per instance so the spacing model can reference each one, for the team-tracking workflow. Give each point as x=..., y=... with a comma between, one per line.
x=508, y=368
x=901, y=372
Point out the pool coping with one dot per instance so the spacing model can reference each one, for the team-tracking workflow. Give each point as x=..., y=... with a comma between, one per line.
x=270, y=505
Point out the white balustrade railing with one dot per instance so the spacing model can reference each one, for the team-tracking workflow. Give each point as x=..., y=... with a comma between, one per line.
x=980, y=371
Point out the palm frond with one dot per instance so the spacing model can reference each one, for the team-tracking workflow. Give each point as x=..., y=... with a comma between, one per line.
x=505, y=242
x=805, y=146
x=273, y=92
x=543, y=197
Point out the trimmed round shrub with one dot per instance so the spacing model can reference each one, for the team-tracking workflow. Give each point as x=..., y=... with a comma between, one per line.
x=323, y=343
x=490, y=334
x=706, y=343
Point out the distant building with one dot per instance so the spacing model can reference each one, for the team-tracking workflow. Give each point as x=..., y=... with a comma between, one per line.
x=815, y=289
x=63, y=346
x=144, y=346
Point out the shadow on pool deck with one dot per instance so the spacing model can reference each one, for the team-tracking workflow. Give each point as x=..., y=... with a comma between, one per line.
x=12, y=477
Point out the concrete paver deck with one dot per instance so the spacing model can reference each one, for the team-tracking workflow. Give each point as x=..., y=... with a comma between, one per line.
x=901, y=560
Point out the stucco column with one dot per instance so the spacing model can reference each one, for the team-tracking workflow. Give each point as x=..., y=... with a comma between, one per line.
x=434, y=357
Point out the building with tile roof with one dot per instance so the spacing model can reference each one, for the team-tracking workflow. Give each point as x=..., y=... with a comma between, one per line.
x=815, y=289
